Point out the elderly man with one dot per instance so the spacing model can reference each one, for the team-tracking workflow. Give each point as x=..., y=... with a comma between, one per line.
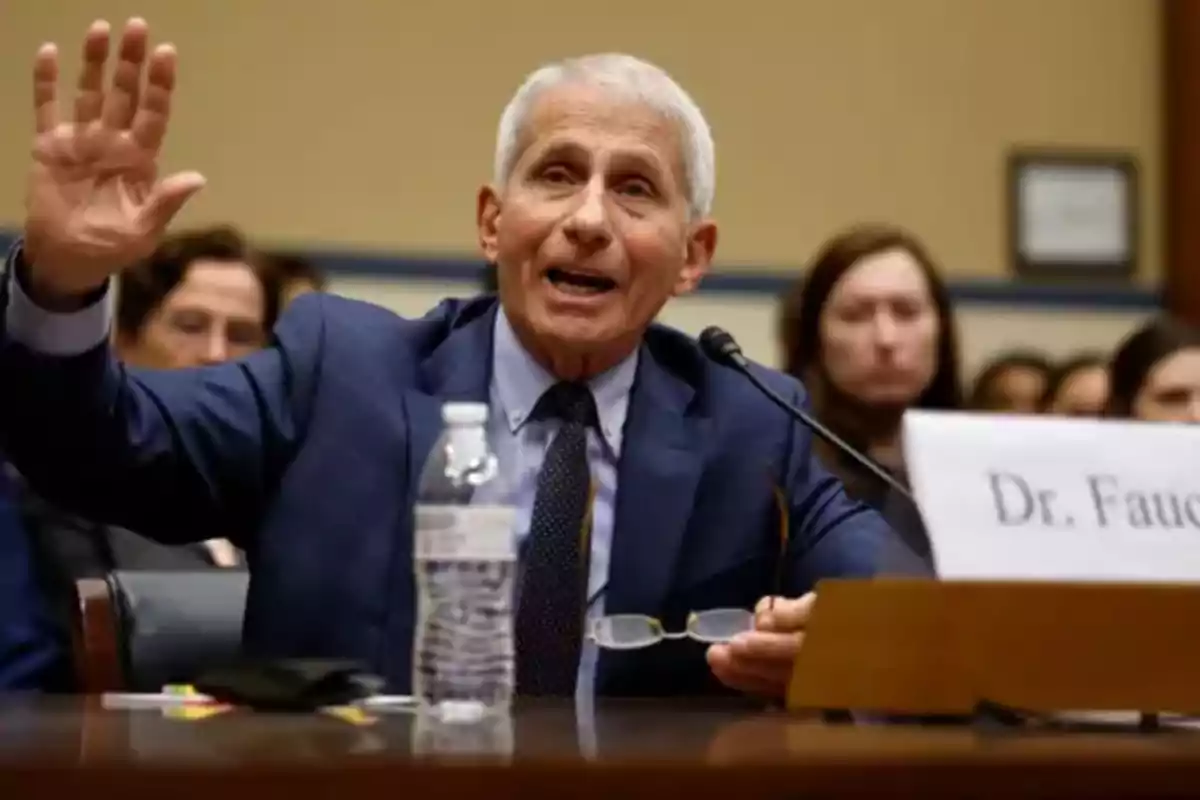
x=308, y=453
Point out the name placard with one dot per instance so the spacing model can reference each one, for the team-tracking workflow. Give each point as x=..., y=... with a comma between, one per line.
x=1042, y=498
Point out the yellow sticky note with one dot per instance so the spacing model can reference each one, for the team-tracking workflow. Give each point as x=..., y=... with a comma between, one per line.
x=351, y=714
x=189, y=713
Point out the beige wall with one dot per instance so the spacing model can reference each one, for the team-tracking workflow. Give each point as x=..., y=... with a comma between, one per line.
x=365, y=124
x=370, y=123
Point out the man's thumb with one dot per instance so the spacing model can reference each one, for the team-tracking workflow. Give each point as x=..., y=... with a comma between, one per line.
x=168, y=196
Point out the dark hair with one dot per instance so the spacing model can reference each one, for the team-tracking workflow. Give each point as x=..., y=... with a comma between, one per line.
x=1063, y=371
x=292, y=267
x=982, y=391
x=144, y=287
x=800, y=321
x=1139, y=353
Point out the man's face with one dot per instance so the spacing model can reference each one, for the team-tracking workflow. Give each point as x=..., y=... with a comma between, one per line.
x=591, y=233
x=215, y=314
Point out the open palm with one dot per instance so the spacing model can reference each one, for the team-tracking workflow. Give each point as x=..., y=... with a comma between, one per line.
x=95, y=203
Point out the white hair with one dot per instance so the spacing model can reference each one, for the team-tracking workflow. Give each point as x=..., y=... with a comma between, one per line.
x=629, y=78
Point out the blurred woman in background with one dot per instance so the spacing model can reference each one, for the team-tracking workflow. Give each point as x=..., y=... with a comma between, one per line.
x=1154, y=374
x=1077, y=387
x=1013, y=382
x=871, y=333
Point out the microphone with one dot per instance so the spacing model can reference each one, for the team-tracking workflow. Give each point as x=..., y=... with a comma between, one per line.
x=719, y=345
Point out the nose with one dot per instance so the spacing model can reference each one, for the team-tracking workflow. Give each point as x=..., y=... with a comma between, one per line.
x=885, y=330
x=216, y=349
x=588, y=225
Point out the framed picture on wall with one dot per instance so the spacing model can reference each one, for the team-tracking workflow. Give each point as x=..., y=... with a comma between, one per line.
x=1073, y=215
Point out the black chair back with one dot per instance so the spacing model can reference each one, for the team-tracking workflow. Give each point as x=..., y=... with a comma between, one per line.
x=174, y=625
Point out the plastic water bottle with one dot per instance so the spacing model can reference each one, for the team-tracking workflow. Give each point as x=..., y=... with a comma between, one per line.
x=464, y=659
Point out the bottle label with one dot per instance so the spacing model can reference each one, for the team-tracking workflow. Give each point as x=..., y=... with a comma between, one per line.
x=465, y=533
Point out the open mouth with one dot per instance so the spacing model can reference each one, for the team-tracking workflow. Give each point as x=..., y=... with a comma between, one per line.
x=580, y=283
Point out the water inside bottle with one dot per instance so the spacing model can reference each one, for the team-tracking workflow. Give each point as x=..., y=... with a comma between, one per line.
x=465, y=562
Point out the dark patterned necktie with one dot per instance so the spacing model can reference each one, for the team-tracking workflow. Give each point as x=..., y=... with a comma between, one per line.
x=554, y=565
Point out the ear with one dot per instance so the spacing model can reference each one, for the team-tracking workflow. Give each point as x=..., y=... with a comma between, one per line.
x=698, y=255
x=487, y=221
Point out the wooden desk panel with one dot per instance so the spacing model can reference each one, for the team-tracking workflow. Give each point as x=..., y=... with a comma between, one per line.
x=633, y=750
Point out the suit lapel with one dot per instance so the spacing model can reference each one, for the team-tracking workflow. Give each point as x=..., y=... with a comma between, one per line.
x=459, y=369
x=661, y=464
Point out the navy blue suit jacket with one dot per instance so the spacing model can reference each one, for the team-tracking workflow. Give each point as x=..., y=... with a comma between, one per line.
x=308, y=453
x=30, y=655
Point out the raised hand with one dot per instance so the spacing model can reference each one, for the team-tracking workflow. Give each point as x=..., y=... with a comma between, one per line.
x=94, y=202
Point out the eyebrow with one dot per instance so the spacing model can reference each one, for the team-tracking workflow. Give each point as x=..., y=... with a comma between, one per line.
x=555, y=150
x=626, y=160
x=640, y=161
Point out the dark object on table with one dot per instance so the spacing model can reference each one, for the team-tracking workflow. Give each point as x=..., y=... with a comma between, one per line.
x=293, y=685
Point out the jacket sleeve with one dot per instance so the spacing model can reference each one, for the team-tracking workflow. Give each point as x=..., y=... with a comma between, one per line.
x=832, y=535
x=180, y=455
x=31, y=654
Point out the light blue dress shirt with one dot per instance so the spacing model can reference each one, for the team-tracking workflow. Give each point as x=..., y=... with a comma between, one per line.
x=520, y=444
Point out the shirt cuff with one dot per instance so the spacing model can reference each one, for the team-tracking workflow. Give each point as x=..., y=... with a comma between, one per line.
x=54, y=333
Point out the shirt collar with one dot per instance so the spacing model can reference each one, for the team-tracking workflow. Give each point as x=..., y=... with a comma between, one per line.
x=519, y=382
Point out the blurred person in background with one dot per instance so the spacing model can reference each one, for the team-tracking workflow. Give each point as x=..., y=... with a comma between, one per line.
x=871, y=332
x=1154, y=374
x=1077, y=387
x=200, y=298
x=1013, y=382
x=296, y=275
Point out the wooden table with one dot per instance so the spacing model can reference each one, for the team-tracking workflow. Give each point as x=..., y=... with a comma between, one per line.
x=53, y=748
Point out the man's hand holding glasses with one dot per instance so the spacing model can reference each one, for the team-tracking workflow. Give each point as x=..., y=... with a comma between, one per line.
x=759, y=661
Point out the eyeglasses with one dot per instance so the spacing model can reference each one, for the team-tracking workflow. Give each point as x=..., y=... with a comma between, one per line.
x=634, y=631
x=714, y=626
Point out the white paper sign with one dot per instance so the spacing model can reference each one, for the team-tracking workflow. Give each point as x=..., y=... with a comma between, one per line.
x=1008, y=497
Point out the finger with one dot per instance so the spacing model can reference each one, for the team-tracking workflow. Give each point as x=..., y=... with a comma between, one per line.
x=762, y=646
x=154, y=110
x=168, y=197
x=720, y=661
x=90, y=98
x=777, y=670
x=788, y=614
x=749, y=684
x=742, y=677
x=769, y=677
x=121, y=102
x=767, y=603
x=45, y=88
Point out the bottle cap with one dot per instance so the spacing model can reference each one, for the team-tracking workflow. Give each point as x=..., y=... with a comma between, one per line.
x=464, y=413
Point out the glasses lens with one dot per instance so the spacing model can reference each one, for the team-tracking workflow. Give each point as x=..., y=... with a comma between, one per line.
x=720, y=624
x=626, y=632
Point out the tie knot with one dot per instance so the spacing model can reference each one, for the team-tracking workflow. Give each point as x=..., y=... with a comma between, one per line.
x=569, y=402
